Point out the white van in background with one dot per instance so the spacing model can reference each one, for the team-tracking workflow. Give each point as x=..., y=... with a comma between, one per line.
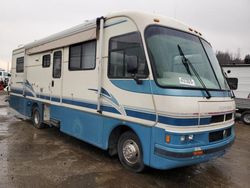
x=4, y=76
x=242, y=93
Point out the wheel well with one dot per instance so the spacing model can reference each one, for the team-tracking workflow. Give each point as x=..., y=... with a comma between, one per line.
x=34, y=105
x=114, y=136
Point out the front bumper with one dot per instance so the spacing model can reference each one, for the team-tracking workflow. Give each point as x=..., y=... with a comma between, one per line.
x=165, y=157
x=164, y=152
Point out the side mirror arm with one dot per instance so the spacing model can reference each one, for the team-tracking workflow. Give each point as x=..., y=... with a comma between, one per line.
x=137, y=80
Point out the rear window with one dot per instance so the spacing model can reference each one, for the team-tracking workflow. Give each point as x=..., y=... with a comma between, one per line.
x=46, y=61
x=20, y=64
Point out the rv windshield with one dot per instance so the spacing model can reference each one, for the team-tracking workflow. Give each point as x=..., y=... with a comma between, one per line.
x=170, y=67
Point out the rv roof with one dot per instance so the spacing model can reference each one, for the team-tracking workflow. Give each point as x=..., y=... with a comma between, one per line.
x=141, y=19
x=71, y=31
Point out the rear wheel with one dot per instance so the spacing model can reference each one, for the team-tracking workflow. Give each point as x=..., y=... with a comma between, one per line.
x=36, y=118
x=245, y=117
x=130, y=152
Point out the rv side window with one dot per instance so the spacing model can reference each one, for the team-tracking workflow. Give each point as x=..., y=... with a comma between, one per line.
x=82, y=56
x=124, y=49
x=19, y=64
x=46, y=61
x=57, y=64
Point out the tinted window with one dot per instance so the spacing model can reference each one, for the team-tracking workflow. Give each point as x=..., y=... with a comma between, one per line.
x=46, y=60
x=19, y=64
x=124, y=49
x=57, y=64
x=82, y=56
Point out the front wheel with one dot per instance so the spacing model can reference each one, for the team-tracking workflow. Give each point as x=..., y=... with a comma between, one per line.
x=36, y=118
x=130, y=152
x=245, y=117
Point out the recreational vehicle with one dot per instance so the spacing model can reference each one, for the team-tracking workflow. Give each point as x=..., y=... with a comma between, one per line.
x=142, y=86
x=242, y=93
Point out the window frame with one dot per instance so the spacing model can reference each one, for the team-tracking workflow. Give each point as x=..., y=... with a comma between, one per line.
x=43, y=60
x=53, y=75
x=82, y=43
x=124, y=49
x=17, y=70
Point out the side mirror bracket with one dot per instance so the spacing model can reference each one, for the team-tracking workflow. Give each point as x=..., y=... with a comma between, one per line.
x=132, y=68
x=137, y=80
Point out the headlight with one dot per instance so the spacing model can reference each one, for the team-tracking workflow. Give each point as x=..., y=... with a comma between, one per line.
x=186, y=137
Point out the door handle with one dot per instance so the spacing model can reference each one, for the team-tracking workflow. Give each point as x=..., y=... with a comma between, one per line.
x=52, y=83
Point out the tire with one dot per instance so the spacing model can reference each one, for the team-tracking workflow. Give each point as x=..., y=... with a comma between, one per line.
x=130, y=152
x=36, y=118
x=245, y=117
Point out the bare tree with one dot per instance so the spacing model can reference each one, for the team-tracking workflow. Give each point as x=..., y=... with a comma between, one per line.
x=226, y=58
x=247, y=59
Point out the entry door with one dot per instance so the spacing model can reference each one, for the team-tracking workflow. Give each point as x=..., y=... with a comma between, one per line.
x=56, y=84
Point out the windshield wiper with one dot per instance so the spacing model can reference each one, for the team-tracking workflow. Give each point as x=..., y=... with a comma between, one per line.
x=188, y=64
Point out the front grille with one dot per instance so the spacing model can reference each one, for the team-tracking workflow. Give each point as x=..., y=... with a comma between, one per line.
x=217, y=119
x=229, y=116
x=219, y=135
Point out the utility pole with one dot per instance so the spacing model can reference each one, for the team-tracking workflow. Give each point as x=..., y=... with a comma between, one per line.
x=8, y=66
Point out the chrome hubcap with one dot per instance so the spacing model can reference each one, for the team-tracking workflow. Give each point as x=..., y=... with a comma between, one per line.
x=131, y=151
x=36, y=117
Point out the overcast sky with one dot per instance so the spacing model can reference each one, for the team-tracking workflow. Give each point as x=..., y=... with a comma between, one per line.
x=225, y=23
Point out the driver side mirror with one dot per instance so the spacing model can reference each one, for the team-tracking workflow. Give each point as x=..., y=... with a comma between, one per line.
x=132, y=67
x=233, y=83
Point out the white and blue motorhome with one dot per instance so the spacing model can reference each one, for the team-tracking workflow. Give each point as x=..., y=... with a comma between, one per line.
x=142, y=86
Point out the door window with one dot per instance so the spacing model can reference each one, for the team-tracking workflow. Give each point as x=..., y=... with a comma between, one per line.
x=57, y=64
x=123, y=49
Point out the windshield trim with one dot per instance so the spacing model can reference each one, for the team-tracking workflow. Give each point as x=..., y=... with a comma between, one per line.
x=210, y=63
x=179, y=87
x=213, y=67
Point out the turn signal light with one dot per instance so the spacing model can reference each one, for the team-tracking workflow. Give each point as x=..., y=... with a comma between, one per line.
x=167, y=138
x=197, y=153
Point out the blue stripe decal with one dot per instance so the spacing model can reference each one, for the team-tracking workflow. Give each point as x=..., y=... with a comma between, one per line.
x=141, y=115
x=132, y=113
x=79, y=103
x=55, y=99
x=145, y=88
x=16, y=91
x=44, y=97
x=179, y=122
x=90, y=105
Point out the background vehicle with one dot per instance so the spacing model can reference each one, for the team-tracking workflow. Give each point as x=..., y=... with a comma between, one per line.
x=4, y=77
x=242, y=94
x=142, y=86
